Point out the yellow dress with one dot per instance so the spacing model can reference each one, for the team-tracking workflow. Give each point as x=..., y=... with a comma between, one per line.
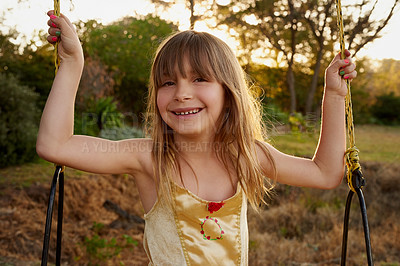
x=196, y=231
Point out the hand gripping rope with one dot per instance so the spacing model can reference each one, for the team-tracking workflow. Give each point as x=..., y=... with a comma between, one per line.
x=58, y=177
x=355, y=178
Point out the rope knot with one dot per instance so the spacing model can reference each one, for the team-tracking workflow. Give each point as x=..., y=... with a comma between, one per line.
x=354, y=174
x=352, y=158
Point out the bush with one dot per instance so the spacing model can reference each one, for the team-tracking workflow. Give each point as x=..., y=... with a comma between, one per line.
x=100, y=114
x=18, y=121
x=387, y=109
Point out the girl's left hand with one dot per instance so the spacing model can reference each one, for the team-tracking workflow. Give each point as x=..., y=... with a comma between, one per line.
x=337, y=73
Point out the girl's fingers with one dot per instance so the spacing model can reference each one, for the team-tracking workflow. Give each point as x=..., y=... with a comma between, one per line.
x=347, y=53
x=51, y=24
x=338, y=65
x=67, y=20
x=57, y=25
x=52, y=39
x=61, y=22
x=351, y=75
x=347, y=69
x=54, y=31
x=342, y=67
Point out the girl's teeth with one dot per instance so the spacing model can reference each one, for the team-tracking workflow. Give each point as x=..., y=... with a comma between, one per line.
x=188, y=112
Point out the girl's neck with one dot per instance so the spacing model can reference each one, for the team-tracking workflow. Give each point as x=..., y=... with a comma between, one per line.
x=195, y=147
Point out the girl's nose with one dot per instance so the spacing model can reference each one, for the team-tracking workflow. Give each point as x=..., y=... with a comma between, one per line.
x=183, y=91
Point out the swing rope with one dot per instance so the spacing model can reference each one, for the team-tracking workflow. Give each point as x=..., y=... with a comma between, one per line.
x=58, y=177
x=56, y=57
x=355, y=179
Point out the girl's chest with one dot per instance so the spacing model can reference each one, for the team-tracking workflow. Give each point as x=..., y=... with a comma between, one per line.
x=210, y=181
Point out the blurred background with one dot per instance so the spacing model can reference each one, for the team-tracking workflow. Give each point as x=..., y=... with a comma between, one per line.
x=284, y=46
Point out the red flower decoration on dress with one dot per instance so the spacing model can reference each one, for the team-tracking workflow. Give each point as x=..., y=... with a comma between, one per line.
x=214, y=206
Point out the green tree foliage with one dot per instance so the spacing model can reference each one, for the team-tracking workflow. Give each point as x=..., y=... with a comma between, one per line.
x=18, y=126
x=375, y=79
x=126, y=47
x=386, y=80
x=36, y=70
x=387, y=109
x=33, y=67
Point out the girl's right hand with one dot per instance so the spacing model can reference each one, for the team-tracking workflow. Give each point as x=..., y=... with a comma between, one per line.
x=62, y=30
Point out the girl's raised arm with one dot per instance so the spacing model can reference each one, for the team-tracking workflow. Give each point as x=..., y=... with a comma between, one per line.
x=326, y=168
x=56, y=141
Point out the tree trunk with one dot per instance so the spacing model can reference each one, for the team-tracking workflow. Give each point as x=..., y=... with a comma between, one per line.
x=314, y=83
x=291, y=87
x=192, y=17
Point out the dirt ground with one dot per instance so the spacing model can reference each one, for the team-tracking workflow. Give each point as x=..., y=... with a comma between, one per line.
x=22, y=214
x=299, y=227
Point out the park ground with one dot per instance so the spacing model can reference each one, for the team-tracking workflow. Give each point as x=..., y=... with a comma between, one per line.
x=299, y=227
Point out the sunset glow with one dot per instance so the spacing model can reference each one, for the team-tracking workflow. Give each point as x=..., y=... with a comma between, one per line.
x=29, y=17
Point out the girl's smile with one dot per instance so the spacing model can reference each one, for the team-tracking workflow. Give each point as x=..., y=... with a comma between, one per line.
x=186, y=112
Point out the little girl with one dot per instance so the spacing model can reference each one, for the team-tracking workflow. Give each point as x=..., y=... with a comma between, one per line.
x=205, y=157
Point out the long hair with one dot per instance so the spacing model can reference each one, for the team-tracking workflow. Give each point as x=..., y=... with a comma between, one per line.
x=239, y=128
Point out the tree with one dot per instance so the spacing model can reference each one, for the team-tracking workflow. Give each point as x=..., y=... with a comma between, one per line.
x=126, y=48
x=278, y=22
x=18, y=121
x=33, y=67
x=359, y=25
x=96, y=83
x=164, y=7
x=302, y=27
x=387, y=78
x=387, y=109
x=319, y=18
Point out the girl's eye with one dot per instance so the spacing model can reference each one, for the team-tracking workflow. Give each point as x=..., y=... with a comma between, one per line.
x=199, y=80
x=168, y=83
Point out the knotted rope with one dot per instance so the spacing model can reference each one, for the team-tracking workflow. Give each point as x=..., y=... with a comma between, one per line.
x=352, y=158
x=355, y=179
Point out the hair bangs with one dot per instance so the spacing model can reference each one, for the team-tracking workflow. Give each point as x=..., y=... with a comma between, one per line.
x=192, y=48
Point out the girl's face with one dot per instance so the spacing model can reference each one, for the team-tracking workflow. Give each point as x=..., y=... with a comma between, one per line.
x=191, y=105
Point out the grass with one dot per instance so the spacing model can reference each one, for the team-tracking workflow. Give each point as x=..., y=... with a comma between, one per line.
x=23, y=176
x=376, y=143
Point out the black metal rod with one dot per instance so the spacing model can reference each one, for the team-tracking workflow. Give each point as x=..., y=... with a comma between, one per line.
x=346, y=228
x=49, y=216
x=365, y=226
x=60, y=217
x=363, y=208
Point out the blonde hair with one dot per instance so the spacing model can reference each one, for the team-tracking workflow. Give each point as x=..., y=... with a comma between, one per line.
x=239, y=128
